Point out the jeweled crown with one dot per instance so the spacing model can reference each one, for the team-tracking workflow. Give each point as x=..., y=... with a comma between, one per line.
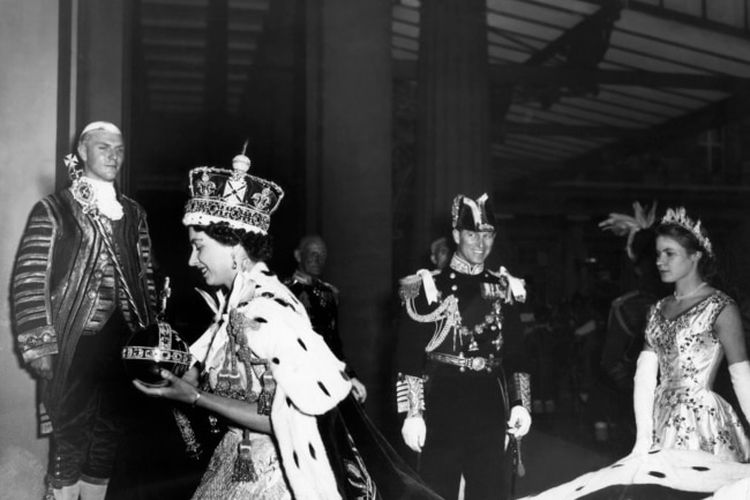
x=234, y=197
x=679, y=217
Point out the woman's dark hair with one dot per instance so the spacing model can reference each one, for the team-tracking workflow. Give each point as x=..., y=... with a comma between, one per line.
x=259, y=247
x=707, y=265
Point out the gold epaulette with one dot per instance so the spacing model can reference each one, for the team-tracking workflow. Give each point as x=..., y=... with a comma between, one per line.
x=409, y=287
x=333, y=288
x=517, y=286
x=497, y=274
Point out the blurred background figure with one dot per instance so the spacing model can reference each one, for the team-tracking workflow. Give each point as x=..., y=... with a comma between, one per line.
x=440, y=252
x=626, y=324
x=321, y=300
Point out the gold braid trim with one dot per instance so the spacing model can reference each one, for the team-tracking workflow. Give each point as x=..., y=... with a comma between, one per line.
x=520, y=389
x=244, y=467
x=446, y=316
x=410, y=395
x=409, y=287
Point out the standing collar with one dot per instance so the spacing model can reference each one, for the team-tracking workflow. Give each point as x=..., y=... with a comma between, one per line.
x=463, y=266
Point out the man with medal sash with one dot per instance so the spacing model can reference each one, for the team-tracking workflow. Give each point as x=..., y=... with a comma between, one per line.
x=459, y=357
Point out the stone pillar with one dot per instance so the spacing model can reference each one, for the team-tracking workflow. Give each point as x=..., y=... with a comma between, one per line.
x=103, y=61
x=215, y=95
x=95, y=67
x=275, y=117
x=355, y=178
x=453, y=142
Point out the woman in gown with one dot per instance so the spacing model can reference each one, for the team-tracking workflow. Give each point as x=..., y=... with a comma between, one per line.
x=687, y=337
x=263, y=369
x=688, y=438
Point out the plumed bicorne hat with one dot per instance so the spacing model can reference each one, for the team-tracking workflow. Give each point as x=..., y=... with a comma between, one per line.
x=472, y=215
x=234, y=197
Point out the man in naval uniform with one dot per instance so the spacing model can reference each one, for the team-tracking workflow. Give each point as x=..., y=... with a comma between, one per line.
x=466, y=405
x=82, y=283
x=321, y=300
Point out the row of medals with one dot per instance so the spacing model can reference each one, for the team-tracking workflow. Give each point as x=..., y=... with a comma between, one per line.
x=492, y=321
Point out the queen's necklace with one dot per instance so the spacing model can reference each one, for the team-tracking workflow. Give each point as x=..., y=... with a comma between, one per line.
x=690, y=293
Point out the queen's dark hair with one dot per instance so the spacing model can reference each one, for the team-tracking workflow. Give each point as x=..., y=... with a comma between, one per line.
x=707, y=265
x=259, y=247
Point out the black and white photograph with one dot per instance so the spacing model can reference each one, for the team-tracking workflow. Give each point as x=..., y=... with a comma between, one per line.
x=375, y=249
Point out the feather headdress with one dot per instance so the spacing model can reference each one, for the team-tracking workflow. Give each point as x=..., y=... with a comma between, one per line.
x=629, y=225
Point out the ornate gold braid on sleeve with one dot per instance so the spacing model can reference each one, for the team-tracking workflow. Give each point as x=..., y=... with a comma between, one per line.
x=410, y=395
x=520, y=389
x=446, y=318
x=30, y=293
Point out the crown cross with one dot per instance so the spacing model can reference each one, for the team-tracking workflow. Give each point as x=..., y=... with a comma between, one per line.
x=234, y=191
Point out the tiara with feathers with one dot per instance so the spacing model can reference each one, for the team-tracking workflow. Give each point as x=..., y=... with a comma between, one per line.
x=678, y=216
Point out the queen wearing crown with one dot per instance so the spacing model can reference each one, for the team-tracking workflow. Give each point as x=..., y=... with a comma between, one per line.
x=263, y=369
x=260, y=367
x=688, y=438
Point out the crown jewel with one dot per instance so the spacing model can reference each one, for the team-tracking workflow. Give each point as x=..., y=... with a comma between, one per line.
x=678, y=216
x=234, y=197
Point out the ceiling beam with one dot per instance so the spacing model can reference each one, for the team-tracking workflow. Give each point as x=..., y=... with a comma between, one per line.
x=564, y=130
x=565, y=77
x=602, y=187
x=682, y=18
x=513, y=74
x=609, y=10
x=653, y=139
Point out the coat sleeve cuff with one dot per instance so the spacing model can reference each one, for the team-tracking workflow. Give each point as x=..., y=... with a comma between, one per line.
x=37, y=343
x=410, y=395
x=520, y=390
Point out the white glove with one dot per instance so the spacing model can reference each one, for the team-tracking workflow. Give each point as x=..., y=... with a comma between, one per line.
x=414, y=431
x=519, y=422
x=740, y=375
x=644, y=385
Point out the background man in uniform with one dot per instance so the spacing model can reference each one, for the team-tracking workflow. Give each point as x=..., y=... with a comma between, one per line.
x=458, y=340
x=321, y=300
x=82, y=283
x=440, y=252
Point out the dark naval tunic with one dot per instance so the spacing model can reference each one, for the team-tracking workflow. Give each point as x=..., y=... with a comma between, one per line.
x=462, y=338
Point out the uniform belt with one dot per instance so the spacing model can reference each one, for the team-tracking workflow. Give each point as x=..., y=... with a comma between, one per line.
x=474, y=363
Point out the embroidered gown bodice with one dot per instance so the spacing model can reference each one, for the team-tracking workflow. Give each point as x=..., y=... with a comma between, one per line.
x=687, y=413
